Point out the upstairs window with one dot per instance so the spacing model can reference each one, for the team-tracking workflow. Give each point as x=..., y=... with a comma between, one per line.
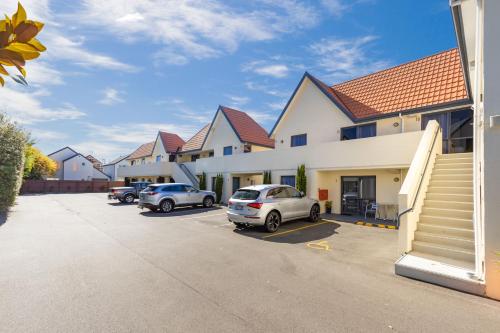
x=143, y=161
x=194, y=157
x=158, y=158
x=228, y=150
x=298, y=140
x=288, y=180
x=247, y=149
x=358, y=132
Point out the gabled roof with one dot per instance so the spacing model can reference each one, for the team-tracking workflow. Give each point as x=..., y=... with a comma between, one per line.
x=246, y=129
x=171, y=142
x=143, y=151
x=421, y=85
x=93, y=159
x=62, y=150
x=433, y=80
x=196, y=142
x=117, y=160
x=86, y=158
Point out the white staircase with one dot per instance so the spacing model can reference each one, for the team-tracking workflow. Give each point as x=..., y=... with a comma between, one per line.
x=443, y=249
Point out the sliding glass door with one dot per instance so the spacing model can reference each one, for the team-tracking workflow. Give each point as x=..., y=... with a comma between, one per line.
x=357, y=193
x=457, y=129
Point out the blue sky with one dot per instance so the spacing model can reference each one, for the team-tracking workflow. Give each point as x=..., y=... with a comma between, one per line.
x=118, y=71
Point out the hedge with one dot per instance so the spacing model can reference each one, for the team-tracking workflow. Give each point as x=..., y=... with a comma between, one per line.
x=12, y=146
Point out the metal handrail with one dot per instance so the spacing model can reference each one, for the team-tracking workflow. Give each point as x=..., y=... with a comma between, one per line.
x=420, y=181
x=188, y=173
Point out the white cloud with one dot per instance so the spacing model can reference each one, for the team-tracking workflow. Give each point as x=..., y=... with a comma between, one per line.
x=335, y=7
x=238, y=101
x=277, y=105
x=264, y=68
x=25, y=107
x=44, y=135
x=111, y=96
x=196, y=29
x=342, y=59
x=256, y=86
x=261, y=117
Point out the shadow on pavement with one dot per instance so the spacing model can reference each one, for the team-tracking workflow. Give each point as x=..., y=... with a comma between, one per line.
x=181, y=211
x=122, y=203
x=3, y=218
x=293, y=232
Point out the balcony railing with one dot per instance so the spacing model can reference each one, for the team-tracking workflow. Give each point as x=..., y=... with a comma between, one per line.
x=148, y=169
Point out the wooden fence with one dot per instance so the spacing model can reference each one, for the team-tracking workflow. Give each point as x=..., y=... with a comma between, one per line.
x=67, y=186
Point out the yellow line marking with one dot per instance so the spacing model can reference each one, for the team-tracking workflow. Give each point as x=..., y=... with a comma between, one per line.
x=200, y=217
x=360, y=223
x=368, y=224
x=323, y=245
x=381, y=225
x=297, y=229
x=391, y=227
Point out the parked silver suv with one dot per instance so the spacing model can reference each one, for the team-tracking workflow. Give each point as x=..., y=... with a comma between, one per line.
x=270, y=205
x=166, y=197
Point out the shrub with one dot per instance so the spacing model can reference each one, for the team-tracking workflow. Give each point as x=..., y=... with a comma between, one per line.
x=301, y=179
x=12, y=146
x=37, y=165
x=219, y=183
x=203, y=181
x=267, y=178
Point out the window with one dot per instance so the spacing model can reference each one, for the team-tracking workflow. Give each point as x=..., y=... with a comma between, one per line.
x=174, y=188
x=132, y=162
x=171, y=158
x=158, y=158
x=288, y=180
x=211, y=154
x=228, y=150
x=358, y=132
x=277, y=193
x=298, y=140
x=246, y=195
x=194, y=157
x=247, y=149
x=293, y=193
x=143, y=161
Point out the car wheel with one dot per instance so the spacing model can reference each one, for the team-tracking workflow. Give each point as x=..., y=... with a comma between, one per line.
x=167, y=206
x=129, y=198
x=314, y=213
x=273, y=221
x=208, y=202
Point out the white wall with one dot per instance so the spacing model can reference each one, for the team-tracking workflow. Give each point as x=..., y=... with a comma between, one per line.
x=492, y=147
x=59, y=157
x=221, y=135
x=313, y=113
x=78, y=168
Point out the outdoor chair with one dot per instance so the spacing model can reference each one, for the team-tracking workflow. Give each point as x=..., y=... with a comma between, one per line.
x=371, y=209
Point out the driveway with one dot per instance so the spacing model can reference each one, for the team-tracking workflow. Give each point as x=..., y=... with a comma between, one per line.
x=75, y=262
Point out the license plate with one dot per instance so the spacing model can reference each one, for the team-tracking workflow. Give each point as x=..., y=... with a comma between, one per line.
x=238, y=207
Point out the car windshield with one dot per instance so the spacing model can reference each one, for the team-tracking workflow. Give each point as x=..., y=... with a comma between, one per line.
x=246, y=194
x=150, y=189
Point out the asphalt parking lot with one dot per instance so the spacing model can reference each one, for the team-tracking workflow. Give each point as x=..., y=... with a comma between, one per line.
x=76, y=262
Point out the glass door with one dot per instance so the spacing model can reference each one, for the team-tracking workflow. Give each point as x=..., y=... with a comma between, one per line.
x=357, y=193
x=457, y=129
x=236, y=184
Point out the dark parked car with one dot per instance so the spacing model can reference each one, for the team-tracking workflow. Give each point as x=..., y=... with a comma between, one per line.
x=127, y=194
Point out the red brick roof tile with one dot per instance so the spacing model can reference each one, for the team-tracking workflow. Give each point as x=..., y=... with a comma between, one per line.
x=246, y=128
x=143, y=151
x=433, y=80
x=196, y=142
x=171, y=142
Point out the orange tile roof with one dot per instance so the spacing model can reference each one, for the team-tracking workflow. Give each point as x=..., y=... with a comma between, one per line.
x=196, y=142
x=171, y=142
x=143, y=151
x=430, y=81
x=247, y=129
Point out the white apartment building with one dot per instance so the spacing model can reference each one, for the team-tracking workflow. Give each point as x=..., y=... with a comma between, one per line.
x=72, y=165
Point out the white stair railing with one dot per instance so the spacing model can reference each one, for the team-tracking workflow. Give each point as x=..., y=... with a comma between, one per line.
x=412, y=194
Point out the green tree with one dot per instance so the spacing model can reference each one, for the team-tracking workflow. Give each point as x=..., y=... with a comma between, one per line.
x=13, y=142
x=37, y=165
x=203, y=181
x=301, y=179
x=219, y=183
x=267, y=177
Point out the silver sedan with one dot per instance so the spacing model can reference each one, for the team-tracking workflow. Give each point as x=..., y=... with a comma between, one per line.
x=270, y=205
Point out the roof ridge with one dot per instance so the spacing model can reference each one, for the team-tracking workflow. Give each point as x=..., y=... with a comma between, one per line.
x=393, y=67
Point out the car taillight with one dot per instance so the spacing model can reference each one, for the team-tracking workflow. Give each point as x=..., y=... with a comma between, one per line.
x=255, y=205
x=151, y=193
x=112, y=191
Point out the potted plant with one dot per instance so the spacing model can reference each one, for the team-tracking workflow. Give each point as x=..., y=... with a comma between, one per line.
x=328, y=207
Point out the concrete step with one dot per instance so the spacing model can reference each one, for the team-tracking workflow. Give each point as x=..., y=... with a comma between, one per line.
x=449, y=171
x=454, y=165
x=452, y=177
x=451, y=183
x=442, y=271
x=454, y=160
x=450, y=197
x=453, y=156
x=447, y=221
x=448, y=204
x=449, y=190
x=446, y=251
x=445, y=240
x=446, y=230
x=447, y=212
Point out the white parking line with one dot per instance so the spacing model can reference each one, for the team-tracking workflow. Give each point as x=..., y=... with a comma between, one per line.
x=200, y=217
